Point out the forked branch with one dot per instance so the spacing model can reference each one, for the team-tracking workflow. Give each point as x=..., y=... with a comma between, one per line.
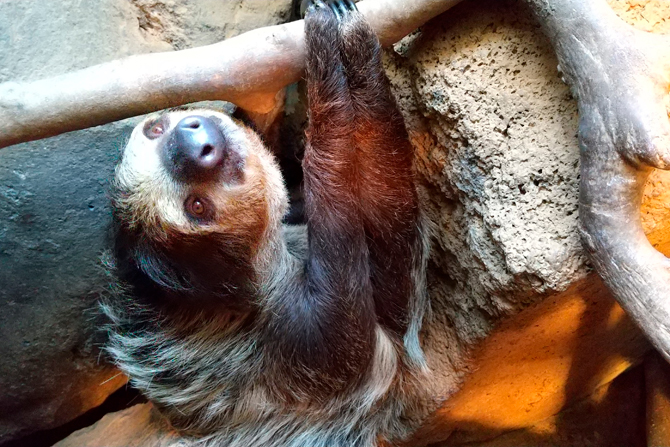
x=620, y=77
x=248, y=70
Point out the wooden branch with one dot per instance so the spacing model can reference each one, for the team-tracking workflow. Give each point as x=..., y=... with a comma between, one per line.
x=248, y=70
x=620, y=77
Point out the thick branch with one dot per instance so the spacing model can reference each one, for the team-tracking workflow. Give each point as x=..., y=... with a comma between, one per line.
x=620, y=77
x=248, y=70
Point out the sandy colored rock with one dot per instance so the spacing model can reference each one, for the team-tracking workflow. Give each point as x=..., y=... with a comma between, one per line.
x=495, y=129
x=647, y=15
x=191, y=23
x=137, y=426
x=537, y=363
x=613, y=416
x=657, y=375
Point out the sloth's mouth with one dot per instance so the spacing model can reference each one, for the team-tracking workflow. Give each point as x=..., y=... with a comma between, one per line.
x=198, y=150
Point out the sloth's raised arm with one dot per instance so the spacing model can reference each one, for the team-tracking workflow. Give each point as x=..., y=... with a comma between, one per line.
x=361, y=207
x=332, y=319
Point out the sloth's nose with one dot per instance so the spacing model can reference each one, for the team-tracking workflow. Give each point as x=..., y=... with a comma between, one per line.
x=197, y=148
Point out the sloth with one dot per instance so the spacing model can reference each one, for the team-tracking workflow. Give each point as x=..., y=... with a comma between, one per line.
x=244, y=331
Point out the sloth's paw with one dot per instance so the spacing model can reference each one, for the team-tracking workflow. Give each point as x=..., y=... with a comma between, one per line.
x=339, y=7
x=342, y=7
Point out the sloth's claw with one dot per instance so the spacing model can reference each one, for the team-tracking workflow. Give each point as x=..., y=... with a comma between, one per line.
x=336, y=7
x=351, y=5
x=339, y=7
x=342, y=7
x=309, y=5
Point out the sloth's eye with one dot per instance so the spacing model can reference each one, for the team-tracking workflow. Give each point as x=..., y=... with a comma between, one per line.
x=198, y=208
x=154, y=129
x=157, y=129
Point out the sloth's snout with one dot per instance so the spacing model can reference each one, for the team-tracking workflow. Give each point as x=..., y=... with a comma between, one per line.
x=196, y=149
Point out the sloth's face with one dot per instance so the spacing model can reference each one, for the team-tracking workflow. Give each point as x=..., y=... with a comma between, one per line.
x=195, y=192
x=193, y=171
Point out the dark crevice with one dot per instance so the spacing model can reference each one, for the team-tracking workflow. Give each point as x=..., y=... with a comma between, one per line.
x=119, y=400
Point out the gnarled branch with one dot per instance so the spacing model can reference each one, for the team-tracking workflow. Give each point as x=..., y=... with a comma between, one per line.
x=620, y=77
x=248, y=70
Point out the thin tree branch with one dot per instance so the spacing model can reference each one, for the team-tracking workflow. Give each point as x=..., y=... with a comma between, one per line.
x=620, y=77
x=248, y=70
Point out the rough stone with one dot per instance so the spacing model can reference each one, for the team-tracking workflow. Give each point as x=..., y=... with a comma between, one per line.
x=495, y=133
x=648, y=15
x=41, y=39
x=54, y=214
x=137, y=426
x=537, y=363
x=188, y=23
x=494, y=129
x=53, y=204
x=612, y=416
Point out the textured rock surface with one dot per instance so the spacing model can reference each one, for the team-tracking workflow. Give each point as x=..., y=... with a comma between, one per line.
x=612, y=416
x=40, y=39
x=494, y=129
x=647, y=15
x=54, y=213
x=495, y=132
x=137, y=426
x=53, y=206
x=538, y=363
x=188, y=23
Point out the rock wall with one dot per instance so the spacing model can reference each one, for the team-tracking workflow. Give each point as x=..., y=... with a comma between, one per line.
x=519, y=324
x=494, y=129
x=495, y=133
